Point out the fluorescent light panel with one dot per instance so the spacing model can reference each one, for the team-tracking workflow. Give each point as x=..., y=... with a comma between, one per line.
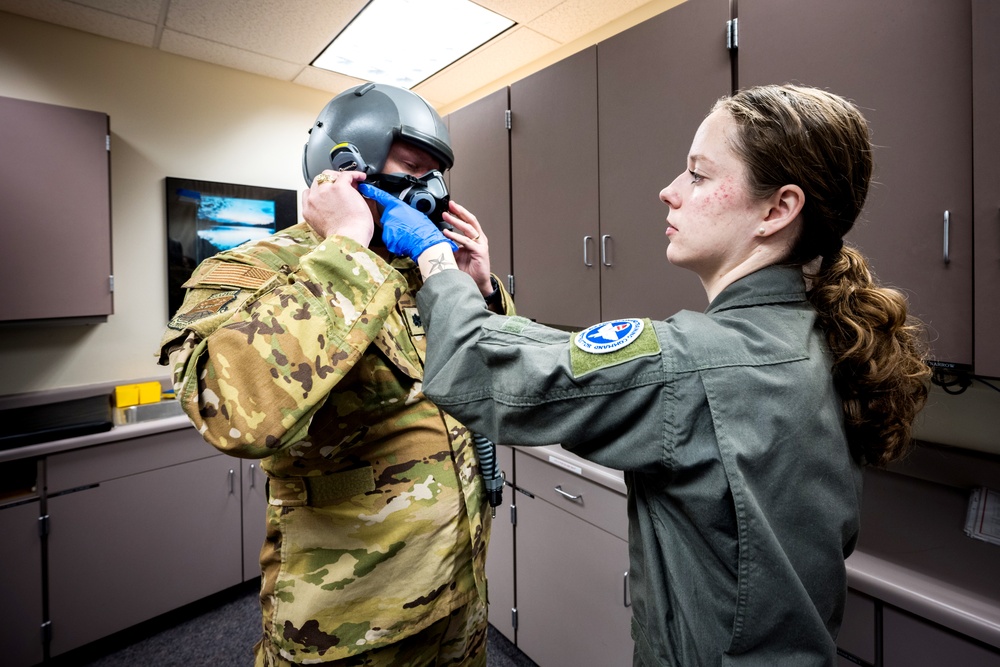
x=403, y=42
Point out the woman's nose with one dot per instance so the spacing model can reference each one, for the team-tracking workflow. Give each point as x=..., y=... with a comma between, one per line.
x=668, y=196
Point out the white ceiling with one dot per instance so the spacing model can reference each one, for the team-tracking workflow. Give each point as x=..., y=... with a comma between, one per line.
x=279, y=39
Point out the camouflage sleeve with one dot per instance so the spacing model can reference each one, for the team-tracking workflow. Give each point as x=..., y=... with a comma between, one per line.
x=252, y=385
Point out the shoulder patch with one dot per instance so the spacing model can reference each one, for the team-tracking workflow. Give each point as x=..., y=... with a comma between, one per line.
x=216, y=303
x=611, y=343
x=609, y=336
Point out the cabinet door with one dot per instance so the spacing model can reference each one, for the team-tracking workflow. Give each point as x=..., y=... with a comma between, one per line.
x=500, y=558
x=908, y=641
x=128, y=549
x=652, y=96
x=69, y=217
x=986, y=184
x=21, y=585
x=908, y=67
x=554, y=192
x=480, y=180
x=857, y=632
x=572, y=581
x=254, y=510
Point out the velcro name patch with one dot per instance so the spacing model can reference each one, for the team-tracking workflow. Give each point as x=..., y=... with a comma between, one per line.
x=612, y=343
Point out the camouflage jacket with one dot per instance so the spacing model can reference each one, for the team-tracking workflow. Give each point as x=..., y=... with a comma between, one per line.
x=308, y=354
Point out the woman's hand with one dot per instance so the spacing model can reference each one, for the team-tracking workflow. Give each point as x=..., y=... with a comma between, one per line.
x=473, y=254
x=333, y=206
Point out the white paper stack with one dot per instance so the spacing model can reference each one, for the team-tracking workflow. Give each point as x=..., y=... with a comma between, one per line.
x=983, y=518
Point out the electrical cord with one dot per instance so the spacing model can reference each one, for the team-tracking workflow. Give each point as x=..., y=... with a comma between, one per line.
x=949, y=380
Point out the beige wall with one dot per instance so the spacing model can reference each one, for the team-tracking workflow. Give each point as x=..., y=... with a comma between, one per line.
x=170, y=116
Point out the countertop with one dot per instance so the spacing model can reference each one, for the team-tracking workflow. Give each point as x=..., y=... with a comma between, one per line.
x=116, y=434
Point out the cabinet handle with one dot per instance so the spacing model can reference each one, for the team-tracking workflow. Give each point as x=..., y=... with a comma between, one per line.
x=586, y=250
x=625, y=596
x=253, y=477
x=604, y=249
x=558, y=489
x=232, y=475
x=947, y=229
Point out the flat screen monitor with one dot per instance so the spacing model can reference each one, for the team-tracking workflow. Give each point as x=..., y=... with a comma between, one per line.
x=205, y=217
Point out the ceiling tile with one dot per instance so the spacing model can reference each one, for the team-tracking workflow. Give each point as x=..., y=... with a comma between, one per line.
x=521, y=11
x=228, y=56
x=290, y=30
x=147, y=11
x=575, y=18
x=512, y=50
x=87, y=19
x=322, y=79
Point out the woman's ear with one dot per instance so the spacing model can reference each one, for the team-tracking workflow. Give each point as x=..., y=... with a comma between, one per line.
x=784, y=208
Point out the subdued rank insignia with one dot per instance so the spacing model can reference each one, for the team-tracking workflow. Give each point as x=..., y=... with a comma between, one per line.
x=413, y=323
x=216, y=303
x=612, y=343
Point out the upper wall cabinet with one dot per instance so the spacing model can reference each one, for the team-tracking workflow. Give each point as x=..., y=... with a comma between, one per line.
x=554, y=192
x=480, y=180
x=595, y=138
x=55, y=211
x=908, y=67
x=986, y=183
x=652, y=95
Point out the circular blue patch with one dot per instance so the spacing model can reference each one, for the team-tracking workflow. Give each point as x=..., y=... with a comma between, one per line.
x=608, y=336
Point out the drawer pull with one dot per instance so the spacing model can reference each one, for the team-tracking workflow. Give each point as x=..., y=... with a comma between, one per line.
x=558, y=489
x=625, y=600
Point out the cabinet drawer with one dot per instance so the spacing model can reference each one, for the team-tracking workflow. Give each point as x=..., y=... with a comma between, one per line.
x=857, y=632
x=92, y=465
x=592, y=502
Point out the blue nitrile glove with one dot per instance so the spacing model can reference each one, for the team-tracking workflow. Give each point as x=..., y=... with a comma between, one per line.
x=405, y=230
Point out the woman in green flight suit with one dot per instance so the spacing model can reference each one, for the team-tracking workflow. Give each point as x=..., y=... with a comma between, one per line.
x=741, y=430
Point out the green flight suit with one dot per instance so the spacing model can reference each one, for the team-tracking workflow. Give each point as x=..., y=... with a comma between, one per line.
x=743, y=497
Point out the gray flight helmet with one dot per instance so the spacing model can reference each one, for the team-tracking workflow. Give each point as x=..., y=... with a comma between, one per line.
x=364, y=121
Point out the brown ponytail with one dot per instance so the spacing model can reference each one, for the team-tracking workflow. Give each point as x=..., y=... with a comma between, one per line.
x=879, y=364
x=820, y=142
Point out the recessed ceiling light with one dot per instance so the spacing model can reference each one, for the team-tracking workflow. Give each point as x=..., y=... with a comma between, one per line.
x=403, y=42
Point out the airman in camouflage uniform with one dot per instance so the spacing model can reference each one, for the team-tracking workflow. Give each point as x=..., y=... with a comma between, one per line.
x=308, y=354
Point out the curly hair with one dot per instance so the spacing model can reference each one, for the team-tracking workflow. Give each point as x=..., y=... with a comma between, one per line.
x=821, y=142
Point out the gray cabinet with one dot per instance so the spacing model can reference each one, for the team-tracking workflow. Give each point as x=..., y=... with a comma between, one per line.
x=856, y=641
x=21, y=583
x=554, y=192
x=908, y=66
x=652, y=95
x=138, y=528
x=986, y=182
x=595, y=138
x=254, y=510
x=572, y=568
x=500, y=557
x=55, y=211
x=909, y=641
x=480, y=180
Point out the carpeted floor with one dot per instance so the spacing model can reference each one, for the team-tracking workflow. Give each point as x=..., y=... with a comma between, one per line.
x=218, y=631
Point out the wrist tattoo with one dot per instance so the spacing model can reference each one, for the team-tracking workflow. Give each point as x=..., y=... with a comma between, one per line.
x=436, y=265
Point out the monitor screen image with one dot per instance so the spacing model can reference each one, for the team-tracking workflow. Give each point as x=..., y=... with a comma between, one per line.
x=205, y=218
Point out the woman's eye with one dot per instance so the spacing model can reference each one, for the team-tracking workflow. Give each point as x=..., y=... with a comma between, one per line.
x=695, y=176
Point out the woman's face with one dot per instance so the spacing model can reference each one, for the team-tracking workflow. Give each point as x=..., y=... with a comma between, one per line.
x=712, y=219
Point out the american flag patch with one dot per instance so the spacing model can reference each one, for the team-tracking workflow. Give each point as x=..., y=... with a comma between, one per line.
x=234, y=275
